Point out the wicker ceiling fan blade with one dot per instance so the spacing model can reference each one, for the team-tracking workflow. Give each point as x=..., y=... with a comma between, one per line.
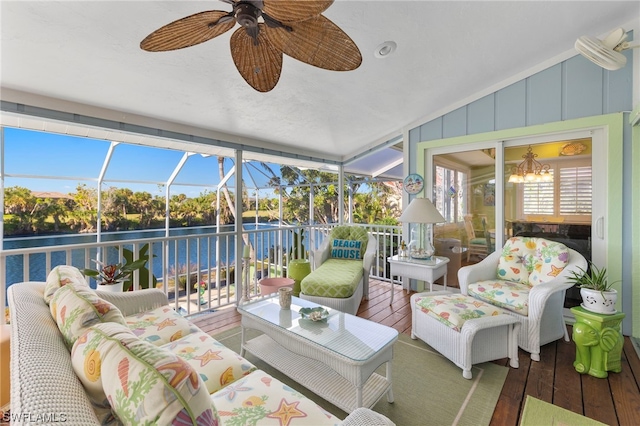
x=260, y=64
x=318, y=42
x=189, y=31
x=295, y=10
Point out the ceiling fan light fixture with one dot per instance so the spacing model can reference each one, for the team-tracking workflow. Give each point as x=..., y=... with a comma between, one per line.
x=385, y=49
x=268, y=31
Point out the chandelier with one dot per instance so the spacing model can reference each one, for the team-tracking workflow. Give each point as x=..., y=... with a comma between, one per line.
x=531, y=170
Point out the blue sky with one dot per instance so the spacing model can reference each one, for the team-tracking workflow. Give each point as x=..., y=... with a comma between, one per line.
x=65, y=160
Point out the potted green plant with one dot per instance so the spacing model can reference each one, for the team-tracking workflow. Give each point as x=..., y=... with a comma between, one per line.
x=143, y=272
x=112, y=277
x=595, y=289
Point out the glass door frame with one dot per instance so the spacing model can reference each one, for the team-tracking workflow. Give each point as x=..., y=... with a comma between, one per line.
x=499, y=175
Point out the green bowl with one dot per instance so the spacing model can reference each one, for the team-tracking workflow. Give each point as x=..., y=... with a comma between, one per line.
x=312, y=313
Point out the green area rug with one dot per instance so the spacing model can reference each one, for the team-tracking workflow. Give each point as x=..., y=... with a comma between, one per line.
x=537, y=412
x=427, y=388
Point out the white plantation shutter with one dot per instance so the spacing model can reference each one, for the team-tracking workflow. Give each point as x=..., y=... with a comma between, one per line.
x=538, y=198
x=575, y=190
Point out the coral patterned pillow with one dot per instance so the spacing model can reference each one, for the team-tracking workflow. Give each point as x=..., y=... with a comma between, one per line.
x=60, y=276
x=76, y=308
x=143, y=383
x=516, y=260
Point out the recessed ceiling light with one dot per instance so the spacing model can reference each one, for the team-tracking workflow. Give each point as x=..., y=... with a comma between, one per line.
x=385, y=49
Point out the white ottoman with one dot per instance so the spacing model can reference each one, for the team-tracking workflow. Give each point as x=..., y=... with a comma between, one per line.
x=465, y=330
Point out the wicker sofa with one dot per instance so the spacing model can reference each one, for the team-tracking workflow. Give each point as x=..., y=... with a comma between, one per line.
x=133, y=360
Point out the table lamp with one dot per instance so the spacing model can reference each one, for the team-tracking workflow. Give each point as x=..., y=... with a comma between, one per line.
x=421, y=212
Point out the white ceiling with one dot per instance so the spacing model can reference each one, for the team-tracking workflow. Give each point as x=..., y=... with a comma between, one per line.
x=87, y=53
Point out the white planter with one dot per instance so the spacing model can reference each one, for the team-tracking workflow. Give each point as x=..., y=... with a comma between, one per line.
x=112, y=288
x=600, y=302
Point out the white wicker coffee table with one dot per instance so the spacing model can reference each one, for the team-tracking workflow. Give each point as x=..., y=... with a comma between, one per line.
x=335, y=358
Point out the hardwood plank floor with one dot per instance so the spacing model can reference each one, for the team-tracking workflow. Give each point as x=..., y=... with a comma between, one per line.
x=614, y=401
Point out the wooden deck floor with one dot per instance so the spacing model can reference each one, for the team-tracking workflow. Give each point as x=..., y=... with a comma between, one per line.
x=614, y=401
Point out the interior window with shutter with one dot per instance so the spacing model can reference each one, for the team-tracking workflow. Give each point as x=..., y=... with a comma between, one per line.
x=568, y=195
x=575, y=190
x=539, y=198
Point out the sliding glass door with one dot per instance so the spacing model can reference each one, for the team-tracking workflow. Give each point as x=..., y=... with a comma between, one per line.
x=541, y=188
x=464, y=191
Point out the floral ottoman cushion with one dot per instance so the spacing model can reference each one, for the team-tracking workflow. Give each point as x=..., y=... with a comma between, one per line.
x=455, y=309
x=160, y=325
x=216, y=364
x=259, y=399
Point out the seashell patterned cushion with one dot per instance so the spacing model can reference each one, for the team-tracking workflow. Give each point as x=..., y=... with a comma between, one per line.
x=160, y=326
x=75, y=308
x=531, y=260
x=143, y=384
x=216, y=364
x=524, y=262
x=259, y=399
x=505, y=294
x=60, y=276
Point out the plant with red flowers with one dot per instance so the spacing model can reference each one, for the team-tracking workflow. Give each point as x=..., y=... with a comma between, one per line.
x=114, y=273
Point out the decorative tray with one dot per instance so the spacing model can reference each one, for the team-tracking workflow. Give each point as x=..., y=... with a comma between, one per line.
x=314, y=314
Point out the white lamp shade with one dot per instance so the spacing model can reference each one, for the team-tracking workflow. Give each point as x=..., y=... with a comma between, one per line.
x=421, y=210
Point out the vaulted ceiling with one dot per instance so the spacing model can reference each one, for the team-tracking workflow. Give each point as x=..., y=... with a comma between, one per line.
x=84, y=57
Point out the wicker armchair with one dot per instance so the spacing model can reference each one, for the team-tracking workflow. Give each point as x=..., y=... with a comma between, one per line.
x=340, y=283
x=536, y=304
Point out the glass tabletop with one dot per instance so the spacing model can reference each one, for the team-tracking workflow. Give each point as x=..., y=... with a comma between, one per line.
x=353, y=337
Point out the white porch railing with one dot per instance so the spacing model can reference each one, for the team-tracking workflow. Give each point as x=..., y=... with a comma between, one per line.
x=184, y=264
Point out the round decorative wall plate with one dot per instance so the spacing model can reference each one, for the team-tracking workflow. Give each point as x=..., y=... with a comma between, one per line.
x=413, y=183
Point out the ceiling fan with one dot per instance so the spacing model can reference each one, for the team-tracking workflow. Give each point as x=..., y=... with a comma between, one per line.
x=605, y=53
x=269, y=29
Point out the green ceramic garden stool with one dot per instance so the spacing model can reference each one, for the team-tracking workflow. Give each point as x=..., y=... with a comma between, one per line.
x=298, y=269
x=598, y=342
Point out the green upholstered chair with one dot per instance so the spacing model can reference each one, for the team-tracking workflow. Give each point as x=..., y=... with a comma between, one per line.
x=340, y=276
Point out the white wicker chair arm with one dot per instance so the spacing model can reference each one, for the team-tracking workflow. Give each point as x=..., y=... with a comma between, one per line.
x=321, y=254
x=370, y=253
x=366, y=417
x=134, y=302
x=484, y=270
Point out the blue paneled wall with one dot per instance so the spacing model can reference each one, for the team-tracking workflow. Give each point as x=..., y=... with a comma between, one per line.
x=572, y=89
